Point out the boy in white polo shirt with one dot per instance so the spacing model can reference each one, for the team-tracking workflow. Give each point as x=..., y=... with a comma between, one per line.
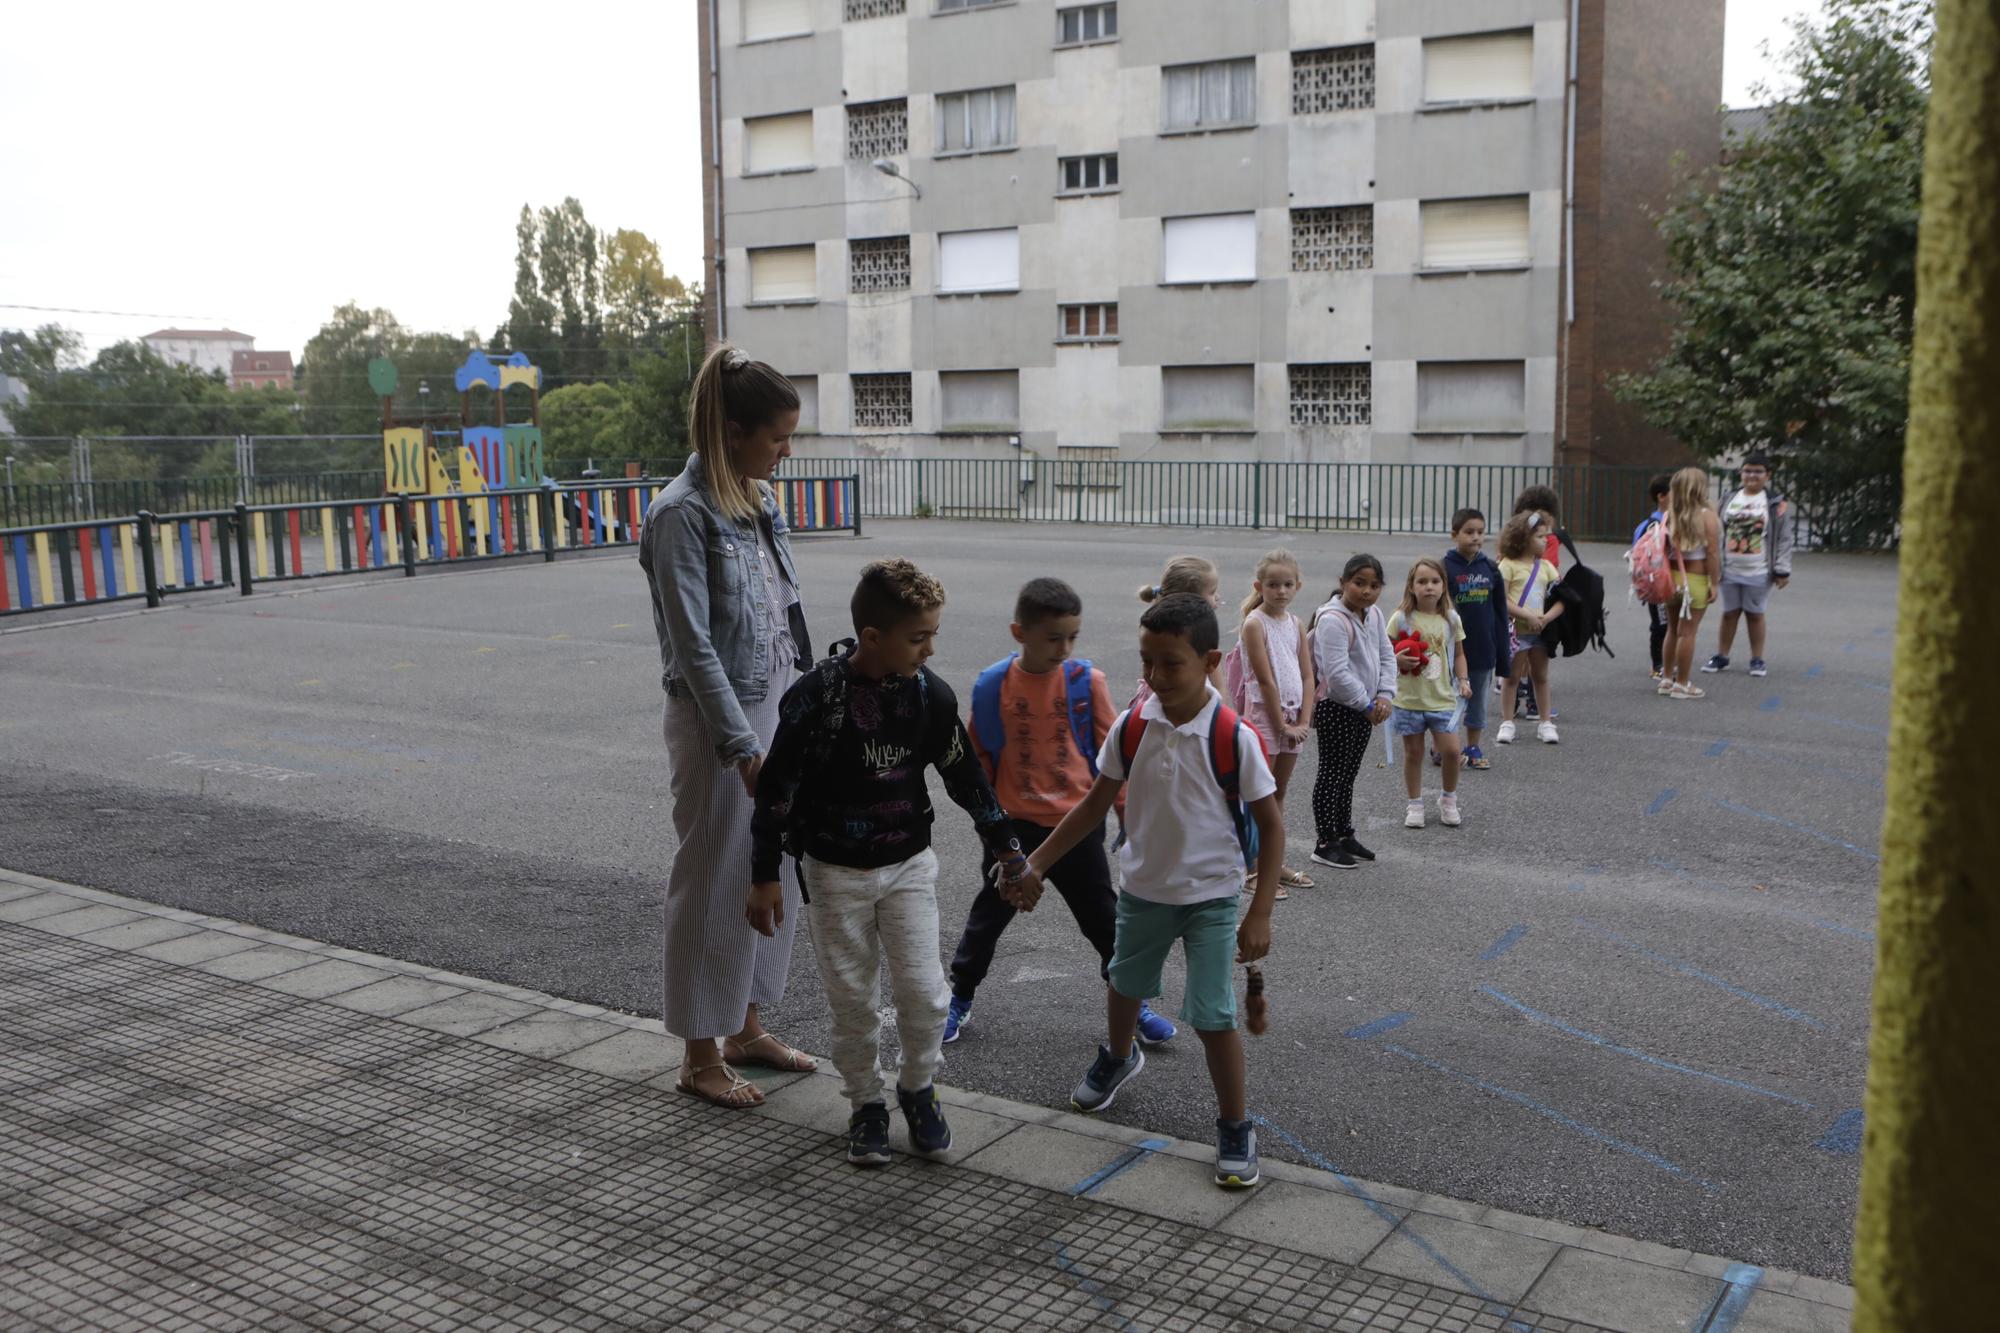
x=1199, y=781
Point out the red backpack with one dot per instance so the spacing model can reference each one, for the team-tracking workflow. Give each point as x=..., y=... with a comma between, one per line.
x=1222, y=726
x=1650, y=562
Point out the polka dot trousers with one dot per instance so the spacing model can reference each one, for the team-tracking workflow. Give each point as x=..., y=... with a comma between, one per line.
x=1343, y=740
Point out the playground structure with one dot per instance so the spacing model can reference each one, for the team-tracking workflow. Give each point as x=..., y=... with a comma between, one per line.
x=479, y=464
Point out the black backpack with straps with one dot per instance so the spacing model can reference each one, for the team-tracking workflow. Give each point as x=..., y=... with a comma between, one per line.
x=1581, y=626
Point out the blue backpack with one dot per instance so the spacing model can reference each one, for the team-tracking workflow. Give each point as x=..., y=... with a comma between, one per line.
x=991, y=731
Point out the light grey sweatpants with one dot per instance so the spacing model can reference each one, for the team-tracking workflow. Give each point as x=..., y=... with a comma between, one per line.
x=861, y=919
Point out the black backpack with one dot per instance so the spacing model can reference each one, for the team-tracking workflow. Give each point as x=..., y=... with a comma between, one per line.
x=1581, y=626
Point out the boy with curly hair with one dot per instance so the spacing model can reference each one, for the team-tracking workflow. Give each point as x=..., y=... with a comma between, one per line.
x=842, y=789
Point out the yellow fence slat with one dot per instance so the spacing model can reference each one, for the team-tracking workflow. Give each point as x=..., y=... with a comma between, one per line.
x=326, y=539
x=130, y=557
x=51, y=590
x=260, y=538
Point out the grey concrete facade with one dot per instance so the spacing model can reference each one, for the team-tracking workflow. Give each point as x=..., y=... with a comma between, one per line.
x=1395, y=156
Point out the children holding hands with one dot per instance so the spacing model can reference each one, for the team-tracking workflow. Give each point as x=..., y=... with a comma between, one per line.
x=1197, y=778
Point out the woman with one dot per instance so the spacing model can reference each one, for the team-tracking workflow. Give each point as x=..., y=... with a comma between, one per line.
x=732, y=635
x=1694, y=545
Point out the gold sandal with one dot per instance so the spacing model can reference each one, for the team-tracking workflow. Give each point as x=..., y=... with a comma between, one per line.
x=1294, y=879
x=790, y=1061
x=731, y=1099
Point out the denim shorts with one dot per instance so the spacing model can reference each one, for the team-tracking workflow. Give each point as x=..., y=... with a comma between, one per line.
x=1410, y=722
x=1207, y=932
x=1475, y=707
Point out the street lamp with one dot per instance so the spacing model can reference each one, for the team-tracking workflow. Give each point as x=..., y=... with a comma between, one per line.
x=888, y=168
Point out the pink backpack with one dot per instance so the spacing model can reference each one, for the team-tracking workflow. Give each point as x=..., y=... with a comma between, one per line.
x=1649, y=560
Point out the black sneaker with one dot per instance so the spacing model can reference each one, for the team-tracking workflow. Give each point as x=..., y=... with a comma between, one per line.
x=1354, y=849
x=868, y=1135
x=1333, y=854
x=1106, y=1076
x=925, y=1117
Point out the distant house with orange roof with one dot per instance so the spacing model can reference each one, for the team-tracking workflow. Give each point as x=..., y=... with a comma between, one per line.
x=255, y=370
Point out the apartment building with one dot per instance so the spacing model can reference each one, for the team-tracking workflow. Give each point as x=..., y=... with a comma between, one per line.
x=1311, y=230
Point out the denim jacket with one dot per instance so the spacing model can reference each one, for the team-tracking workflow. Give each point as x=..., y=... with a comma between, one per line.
x=709, y=607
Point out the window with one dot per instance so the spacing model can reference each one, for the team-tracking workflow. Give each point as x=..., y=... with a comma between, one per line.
x=1086, y=23
x=1340, y=78
x=1332, y=240
x=1472, y=395
x=1486, y=67
x=980, y=400
x=975, y=122
x=979, y=261
x=1474, y=233
x=881, y=402
x=858, y=10
x=878, y=264
x=1096, y=322
x=1216, y=95
x=1332, y=395
x=808, y=390
x=878, y=129
x=1086, y=175
x=1207, y=397
x=784, y=273
x=1219, y=248
x=944, y=5
x=765, y=19
x=778, y=143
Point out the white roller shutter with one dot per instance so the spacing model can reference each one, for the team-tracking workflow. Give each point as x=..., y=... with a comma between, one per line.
x=1221, y=247
x=1208, y=397
x=1473, y=233
x=1472, y=395
x=783, y=274
x=979, y=261
x=1486, y=67
x=775, y=18
x=772, y=143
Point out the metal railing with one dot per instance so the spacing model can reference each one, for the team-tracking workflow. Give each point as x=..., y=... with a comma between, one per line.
x=153, y=556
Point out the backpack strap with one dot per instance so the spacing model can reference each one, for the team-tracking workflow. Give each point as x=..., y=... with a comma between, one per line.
x=1129, y=736
x=987, y=728
x=1222, y=761
x=1082, y=709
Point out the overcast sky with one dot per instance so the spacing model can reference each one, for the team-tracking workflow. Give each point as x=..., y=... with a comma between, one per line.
x=205, y=164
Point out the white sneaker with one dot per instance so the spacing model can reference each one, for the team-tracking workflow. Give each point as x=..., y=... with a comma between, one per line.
x=1506, y=733
x=1448, y=810
x=1546, y=733
x=1414, y=817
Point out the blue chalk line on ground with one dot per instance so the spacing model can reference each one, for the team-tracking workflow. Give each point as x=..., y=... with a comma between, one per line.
x=1386, y=1023
x=1682, y=872
x=1536, y=1015
x=1661, y=801
x=1739, y=1283
x=1772, y=756
x=1131, y=1157
x=1087, y=1284
x=1501, y=945
x=1394, y=1220
x=1844, y=1135
x=1688, y=969
x=1550, y=1113
x=1796, y=827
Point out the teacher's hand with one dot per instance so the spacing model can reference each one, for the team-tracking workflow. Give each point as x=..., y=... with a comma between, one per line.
x=748, y=769
x=767, y=906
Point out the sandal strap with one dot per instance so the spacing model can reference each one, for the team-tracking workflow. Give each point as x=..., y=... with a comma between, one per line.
x=737, y=1083
x=793, y=1057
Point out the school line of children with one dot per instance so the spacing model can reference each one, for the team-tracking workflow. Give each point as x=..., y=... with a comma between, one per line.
x=1197, y=767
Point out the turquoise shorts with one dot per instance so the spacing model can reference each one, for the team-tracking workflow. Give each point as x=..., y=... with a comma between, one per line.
x=1207, y=932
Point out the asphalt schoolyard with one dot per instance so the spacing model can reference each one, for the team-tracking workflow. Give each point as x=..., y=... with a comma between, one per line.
x=1630, y=993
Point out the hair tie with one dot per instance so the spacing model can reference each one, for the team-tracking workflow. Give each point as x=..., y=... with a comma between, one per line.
x=1158, y=592
x=736, y=359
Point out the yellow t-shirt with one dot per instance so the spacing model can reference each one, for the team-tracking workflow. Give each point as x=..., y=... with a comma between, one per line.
x=1434, y=689
x=1516, y=573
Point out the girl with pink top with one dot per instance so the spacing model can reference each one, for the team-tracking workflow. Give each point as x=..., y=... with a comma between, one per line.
x=1279, y=676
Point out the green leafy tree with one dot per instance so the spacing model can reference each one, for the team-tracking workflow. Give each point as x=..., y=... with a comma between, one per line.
x=337, y=400
x=1794, y=275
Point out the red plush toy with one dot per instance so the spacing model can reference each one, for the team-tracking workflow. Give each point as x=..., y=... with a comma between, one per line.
x=1411, y=642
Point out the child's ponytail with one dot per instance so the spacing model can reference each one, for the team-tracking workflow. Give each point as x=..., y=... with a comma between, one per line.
x=1184, y=573
x=732, y=390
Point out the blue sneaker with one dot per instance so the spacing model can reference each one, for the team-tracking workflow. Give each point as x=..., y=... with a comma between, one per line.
x=1154, y=1028
x=1715, y=664
x=1235, y=1154
x=925, y=1117
x=1107, y=1074
x=868, y=1135
x=956, y=1016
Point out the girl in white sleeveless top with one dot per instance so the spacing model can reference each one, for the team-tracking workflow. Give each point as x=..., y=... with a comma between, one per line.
x=1277, y=676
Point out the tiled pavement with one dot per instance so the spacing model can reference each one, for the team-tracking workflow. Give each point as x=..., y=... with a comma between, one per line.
x=208, y=1125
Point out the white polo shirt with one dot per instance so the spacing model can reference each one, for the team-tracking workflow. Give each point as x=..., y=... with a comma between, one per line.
x=1180, y=841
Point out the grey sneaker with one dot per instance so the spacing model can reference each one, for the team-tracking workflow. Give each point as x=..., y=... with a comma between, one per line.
x=1235, y=1154
x=1107, y=1074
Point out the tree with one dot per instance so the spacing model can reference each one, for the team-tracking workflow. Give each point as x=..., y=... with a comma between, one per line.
x=586, y=421
x=333, y=379
x=639, y=294
x=1794, y=274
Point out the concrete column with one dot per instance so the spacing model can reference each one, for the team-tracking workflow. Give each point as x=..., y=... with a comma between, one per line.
x=1925, y=1254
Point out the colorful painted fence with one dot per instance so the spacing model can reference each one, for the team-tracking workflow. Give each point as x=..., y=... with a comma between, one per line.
x=151, y=557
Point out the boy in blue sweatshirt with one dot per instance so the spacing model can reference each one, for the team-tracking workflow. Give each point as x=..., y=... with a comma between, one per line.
x=1479, y=594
